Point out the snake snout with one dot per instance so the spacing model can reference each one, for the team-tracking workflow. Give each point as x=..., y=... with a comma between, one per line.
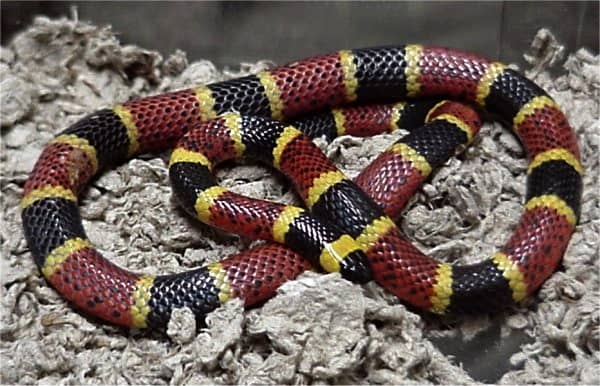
x=356, y=268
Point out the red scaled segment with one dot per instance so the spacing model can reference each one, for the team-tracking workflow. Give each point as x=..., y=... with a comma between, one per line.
x=60, y=164
x=450, y=73
x=96, y=286
x=391, y=181
x=212, y=139
x=162, y=119
x=302, y=162
x=538, y=243
x=547, y=128
x=402, y=269
x=365, y=121
x=245, y=216
x=310, y=85
x=255, y=275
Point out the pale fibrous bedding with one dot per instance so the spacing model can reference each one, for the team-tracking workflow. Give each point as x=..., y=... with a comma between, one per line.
x=319, y=328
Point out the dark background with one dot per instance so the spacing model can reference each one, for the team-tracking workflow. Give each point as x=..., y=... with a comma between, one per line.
x=228, y=33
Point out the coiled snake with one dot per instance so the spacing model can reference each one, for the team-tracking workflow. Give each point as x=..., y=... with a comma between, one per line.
x=348, y=226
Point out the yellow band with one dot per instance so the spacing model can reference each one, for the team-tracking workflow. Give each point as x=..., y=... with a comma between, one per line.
x=333, y=253
x=458, y=123
x=183, y=155
x=397, y=110
x=433, y=109
x=558, y=154
x=288, y=135
x=442, y=289
x=206, y=103
x=374, y=231
x=273, y=94
x=413, y=69
x=141, y=295
x=487, y=80
x=233, y=121
x=349, y=70
x=340, y=121
x=221, y=281
x=282, y=225
x=321, y=184
x=530, y=108
x=554, y=202
x=513, y=274
x=205, y=200
x=47, y=191
x=409, y=154
x=61, y=253
x=132, y=130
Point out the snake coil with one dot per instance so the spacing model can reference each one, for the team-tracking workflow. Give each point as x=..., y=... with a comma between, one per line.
x=348, y=226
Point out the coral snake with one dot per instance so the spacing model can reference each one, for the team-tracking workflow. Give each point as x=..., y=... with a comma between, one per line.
x=347, y=226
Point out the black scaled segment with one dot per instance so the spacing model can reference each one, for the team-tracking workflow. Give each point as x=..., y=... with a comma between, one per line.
x=317, y=125
x=347, y=206
x=380, y=73
x=307, y=236
x=193, y=289
x=556, y=177
x=478, y=288
x=260, y=135
x=245, y=95
x=509, y=92
x=48, y=223
x=104, y=130
x=188, y=180
x=436, y=141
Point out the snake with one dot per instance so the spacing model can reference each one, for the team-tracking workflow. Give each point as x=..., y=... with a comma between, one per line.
x=347, y=226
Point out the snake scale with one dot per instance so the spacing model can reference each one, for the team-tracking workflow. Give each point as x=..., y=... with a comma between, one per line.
x=347, y=225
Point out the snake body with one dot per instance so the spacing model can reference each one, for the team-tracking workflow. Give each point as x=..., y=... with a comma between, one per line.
x=348, y=227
